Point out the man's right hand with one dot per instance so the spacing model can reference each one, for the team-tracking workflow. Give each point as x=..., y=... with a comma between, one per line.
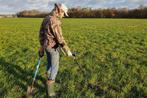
x=69, y=53
x=41, y=52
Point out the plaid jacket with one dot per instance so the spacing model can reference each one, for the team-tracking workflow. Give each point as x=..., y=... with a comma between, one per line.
x=50, y=32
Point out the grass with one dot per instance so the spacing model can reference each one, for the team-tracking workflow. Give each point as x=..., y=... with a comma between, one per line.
x=112, y=53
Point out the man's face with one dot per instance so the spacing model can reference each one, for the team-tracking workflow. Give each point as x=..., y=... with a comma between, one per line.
x=61, y=13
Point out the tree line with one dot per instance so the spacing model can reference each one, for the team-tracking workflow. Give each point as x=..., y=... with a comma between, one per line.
x=79, y=12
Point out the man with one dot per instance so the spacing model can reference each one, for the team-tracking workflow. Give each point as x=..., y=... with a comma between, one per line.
x=51, y=40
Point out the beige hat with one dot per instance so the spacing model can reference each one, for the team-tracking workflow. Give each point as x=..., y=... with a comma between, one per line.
x=64, y=8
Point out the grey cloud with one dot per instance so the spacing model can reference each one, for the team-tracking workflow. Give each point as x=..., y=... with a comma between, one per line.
x=47, y=5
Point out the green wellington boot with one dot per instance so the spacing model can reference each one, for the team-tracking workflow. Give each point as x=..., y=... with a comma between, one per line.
x=51, y=89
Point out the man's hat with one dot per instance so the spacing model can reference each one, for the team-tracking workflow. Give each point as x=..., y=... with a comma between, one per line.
x=63, y=7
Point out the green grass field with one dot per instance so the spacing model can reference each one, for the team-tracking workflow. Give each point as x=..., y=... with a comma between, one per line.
x=112, y=53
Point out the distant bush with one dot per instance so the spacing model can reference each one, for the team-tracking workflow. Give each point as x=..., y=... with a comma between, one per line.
x=79, y=12
x=108, y=13
x=32, y=13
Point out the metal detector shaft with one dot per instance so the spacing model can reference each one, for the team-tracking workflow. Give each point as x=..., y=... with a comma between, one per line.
x=74, y=57
x=80, y=66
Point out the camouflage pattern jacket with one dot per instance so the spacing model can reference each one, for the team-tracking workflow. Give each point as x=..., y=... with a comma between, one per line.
x=50, y=34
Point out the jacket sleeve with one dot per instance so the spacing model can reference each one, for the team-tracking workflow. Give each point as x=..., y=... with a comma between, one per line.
x=56, y=28
x=41, y=37
x=42, y=34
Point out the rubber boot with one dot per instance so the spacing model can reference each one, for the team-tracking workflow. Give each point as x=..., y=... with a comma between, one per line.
x=51, y=89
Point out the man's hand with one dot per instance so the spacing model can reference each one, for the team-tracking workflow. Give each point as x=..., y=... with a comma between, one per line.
x=69, y=53
x=41, y=52
x=65, y=49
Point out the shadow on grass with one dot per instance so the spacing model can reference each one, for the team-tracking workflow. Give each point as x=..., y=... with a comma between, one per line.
x=136, y=92
x=21, y=79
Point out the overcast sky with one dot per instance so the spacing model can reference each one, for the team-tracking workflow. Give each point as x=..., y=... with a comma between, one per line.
x=13, y=6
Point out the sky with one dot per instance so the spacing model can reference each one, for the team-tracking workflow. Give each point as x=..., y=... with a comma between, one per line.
x=14, y=6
